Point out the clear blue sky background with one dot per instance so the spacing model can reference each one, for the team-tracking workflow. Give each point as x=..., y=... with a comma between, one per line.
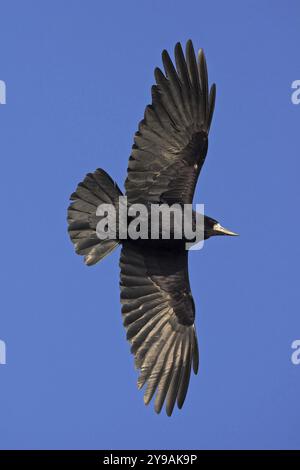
x=78, y=77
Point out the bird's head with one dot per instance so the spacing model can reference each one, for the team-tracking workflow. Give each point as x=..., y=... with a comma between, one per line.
x=213, y=227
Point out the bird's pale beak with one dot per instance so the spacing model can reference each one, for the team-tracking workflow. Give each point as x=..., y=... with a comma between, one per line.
x=219, y=230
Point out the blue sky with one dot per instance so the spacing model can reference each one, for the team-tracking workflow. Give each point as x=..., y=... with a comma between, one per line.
x=78, y=76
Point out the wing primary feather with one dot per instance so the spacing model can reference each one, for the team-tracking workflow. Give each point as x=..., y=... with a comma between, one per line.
x=166, y=96
x=182, y=66
x=145, y=332
x=194, y=78
x=145, y=320
x=195, y=350
x=136, y=314
x=185, y=373
x=175, y=381
x=158, y=368
x=142, y=352
x=150, y=356
x=164, y=116
x=185, y=79
x=165, y=380
x=175, y=85
x=212, y=100
x=203, y=83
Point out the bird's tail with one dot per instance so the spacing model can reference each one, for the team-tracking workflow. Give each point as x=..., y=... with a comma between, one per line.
x=97, y=188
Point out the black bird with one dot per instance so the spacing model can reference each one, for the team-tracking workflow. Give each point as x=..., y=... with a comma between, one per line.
x=169, y=150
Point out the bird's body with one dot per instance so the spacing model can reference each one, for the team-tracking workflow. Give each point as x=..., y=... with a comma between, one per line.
x=168, y=152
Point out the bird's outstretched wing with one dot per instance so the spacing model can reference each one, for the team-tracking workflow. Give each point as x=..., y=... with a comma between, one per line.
x=171, y=143
x=158, y=313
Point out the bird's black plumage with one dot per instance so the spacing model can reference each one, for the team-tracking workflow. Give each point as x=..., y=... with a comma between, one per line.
x=167, y=155
x=171, y=144
x=158, y=313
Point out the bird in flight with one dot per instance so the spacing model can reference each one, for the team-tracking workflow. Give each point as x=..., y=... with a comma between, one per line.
x=169, y=150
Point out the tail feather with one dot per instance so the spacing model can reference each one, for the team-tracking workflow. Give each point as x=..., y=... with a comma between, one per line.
x=96, y=188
